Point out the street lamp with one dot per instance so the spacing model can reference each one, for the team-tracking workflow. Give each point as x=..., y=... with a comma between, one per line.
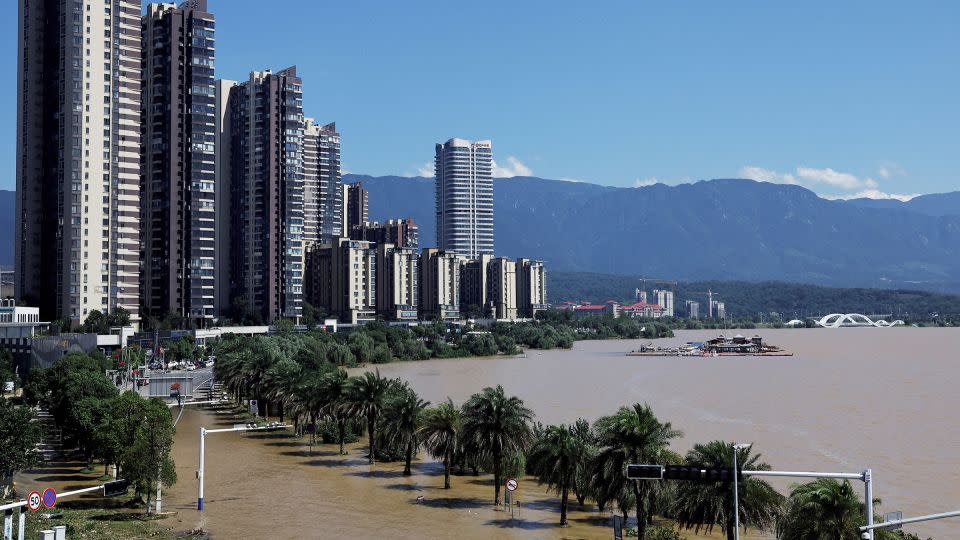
x=736, y=497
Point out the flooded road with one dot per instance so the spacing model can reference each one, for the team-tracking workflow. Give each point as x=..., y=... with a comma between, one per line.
x=850, y=399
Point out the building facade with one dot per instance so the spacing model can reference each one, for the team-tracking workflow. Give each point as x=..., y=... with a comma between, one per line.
x=464, y=197
x=178, y=168
x=266, y=191
x=350, y=278
x=439, y=284
x=473, y=286
x=77, y=239
x=665, y=300
x=399, y=232
x=531, y=288
x=356, y=210
x=397, y=282
x=322, y=191
x=502, y=288
x=693, y=309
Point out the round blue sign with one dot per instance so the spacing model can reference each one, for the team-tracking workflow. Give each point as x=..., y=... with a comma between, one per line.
x=49, y=497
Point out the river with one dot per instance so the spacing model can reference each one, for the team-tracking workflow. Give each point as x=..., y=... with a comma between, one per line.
x=850, y=398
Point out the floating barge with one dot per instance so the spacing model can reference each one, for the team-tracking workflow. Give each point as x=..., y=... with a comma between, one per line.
x=738, y=345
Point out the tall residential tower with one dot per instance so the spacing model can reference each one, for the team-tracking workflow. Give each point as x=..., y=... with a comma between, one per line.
x=178, y=168
x=266, y=195
x=78, y=157
x=464, y=197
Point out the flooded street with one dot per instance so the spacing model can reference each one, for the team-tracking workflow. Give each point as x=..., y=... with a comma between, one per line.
x=850, y=399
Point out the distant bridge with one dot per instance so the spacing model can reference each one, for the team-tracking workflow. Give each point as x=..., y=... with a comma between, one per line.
x=837, y=320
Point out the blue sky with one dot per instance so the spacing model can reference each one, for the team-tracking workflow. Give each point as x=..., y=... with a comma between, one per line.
x=842, y=97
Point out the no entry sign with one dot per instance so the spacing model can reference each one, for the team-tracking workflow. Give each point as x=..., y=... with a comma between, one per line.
x=512, y=484
x=49, y=497
x=33, y=501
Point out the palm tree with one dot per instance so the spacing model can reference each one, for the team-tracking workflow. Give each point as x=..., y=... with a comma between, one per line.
x=554, y=460
x=632, y=435
x=333, y=393
x=497, y=426
x=581, y=480
x=824, y=508
x=366, y=397
x=403, y=414
x=440, y=429
x=702, y=505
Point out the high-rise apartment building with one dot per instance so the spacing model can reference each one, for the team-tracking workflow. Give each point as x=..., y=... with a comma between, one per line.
x=322, y=192
x=399, y=232
x=693, y=309
x=531, y=288
x=356, y=209
x=439, y=284
x=464, y=197
x=502, y=288
x=344, y=279
x=398, y=278
x=178, y=186
x=665, y=300
x=78, y=157
x=266, y=194
x=473, y=286
x=223, y=128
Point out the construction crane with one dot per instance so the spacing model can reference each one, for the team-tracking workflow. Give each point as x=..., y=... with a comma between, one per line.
x=709, y=294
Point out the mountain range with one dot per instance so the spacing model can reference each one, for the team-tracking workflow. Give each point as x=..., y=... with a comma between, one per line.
x=727, y=229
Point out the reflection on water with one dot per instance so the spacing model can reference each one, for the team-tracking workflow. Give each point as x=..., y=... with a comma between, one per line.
x=850, y=399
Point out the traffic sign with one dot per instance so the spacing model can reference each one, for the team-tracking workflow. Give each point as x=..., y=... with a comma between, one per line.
x=33, y=501
x=512, y=484
x=49, y=498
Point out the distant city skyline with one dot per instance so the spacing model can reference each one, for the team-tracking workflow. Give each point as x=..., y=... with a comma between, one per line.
x=846, y=99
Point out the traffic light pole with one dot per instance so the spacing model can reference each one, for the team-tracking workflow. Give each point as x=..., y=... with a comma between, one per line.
x=866, y=477
x=904, y=521
x=203, y=443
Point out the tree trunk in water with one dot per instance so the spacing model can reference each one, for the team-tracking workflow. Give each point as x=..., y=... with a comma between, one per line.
x=106, y=468
x=371, y=429
x=341, y=432
x=281, y=411
x=730, y=530
x=446, y=469
x=313, y=436
x=406, y=467
x=641, y=519
x=563, y=505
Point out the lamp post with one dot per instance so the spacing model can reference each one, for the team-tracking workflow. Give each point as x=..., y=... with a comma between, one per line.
x=736, y=496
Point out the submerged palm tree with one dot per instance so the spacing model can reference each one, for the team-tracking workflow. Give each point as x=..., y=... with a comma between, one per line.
x=402, y=415
x=632, y=435
x=554, y=460
x=333, y=393
x=498, y=427
x=824, y=508
x=701, y=506
x=366, y=397
x=440, y=429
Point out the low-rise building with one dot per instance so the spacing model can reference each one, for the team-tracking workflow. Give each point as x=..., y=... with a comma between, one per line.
x=399, y=232
x=643, y=310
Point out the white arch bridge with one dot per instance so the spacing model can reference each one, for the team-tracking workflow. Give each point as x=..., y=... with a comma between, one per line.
x=837, y=320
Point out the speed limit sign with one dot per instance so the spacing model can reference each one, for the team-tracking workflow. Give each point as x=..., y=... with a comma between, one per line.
x=33, y=501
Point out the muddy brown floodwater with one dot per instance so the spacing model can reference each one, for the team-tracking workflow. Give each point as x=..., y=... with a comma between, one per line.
x=850, y=399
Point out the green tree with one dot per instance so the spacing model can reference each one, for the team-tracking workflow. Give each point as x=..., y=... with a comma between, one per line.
x=632, y=435
x=701, y=506
x=440, y=431
x=366, y=397
x=826, y=508
x=8, y=371
x=334, y=392
x=147, y=461
x=19, y=438
x=403, y=414
x=498, y=427
x=554, y=460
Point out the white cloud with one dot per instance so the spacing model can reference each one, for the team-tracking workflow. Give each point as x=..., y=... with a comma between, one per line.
x=426, y=169
x=644, y=182
x=877, y=194
x=767, y=175
x=889, y=170
x=514, y=167
x=840, y=185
